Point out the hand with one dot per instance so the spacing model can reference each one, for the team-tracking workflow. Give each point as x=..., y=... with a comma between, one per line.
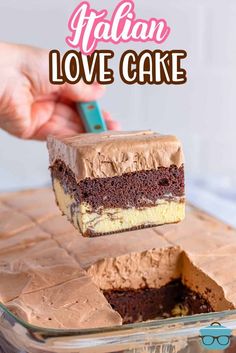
x=30, y=106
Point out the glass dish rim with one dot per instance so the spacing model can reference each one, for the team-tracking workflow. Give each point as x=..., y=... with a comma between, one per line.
x=119, y=328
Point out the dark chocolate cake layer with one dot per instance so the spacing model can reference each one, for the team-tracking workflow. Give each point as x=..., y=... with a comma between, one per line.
x=137, y=189
x=173, y=299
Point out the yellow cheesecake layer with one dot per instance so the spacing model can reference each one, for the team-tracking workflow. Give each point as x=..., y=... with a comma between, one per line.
x=108, y=220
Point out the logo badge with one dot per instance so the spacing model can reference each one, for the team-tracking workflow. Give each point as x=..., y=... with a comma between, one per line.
x=215, y=336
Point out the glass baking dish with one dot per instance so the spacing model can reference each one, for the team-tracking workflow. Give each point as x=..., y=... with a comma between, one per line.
x=175, y=335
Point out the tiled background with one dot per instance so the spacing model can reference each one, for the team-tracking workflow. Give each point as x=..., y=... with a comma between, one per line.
x=202, y=112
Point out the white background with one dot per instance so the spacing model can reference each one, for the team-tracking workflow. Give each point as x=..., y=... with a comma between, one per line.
x=202, y=112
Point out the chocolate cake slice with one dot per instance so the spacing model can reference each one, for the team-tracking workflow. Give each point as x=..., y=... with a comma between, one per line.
x=118, y=181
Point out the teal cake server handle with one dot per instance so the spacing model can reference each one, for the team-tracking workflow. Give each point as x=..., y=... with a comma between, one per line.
x=91, y=116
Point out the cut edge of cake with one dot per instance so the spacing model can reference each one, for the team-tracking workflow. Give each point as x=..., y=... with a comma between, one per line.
x=118, y=182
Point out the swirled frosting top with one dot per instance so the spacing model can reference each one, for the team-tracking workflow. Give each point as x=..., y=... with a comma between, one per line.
x=115, y=153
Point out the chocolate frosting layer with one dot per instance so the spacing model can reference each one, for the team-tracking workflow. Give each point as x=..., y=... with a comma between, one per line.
x=113, y=262
x=202, y=273
x=115, y=153
x=127, y=260
x=77, y=303
x=35, y=267
x=39, y=281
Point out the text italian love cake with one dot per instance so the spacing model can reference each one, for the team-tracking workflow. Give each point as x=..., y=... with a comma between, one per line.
x=118, y=181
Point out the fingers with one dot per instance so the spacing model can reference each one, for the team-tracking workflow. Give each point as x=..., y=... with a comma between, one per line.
x=110, y=123
x=81, y=92
x=113, y=125
x=61, y=120
x=55, y=130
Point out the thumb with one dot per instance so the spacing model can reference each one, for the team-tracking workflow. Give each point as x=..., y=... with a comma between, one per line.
x=82, y=92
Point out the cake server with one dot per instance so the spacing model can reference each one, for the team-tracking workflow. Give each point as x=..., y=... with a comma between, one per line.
x=91, y=116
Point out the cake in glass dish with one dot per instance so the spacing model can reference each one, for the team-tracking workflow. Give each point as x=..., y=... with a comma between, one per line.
x=51, y=276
